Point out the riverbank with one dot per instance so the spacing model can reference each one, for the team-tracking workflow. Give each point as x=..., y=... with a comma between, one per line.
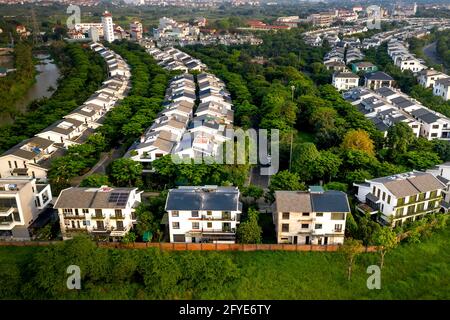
x=16, y=84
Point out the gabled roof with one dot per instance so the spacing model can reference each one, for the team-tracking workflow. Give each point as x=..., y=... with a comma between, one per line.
x=300, y=201
x=196, y=198
x=410, y=183
x=378, y=75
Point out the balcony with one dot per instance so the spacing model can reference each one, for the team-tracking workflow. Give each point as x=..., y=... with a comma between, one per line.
x=5, y=211
x=117, y=217
x=224, y=217
x=101, y=229
x=98, y=216
x=73, y=216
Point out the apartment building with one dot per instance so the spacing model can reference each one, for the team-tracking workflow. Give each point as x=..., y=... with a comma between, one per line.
x=345, y=80
x=203, y=214
x=100, y=212
x=400, y=198
x=428, y=77
x=442, y=88
x=313, y=217
x=22, y=199
x=108, y=26
x=401, y=57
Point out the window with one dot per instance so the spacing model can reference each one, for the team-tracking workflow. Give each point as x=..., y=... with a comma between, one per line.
x=389, y=199
x=118, y=212
x=76, y=212
x=411, y=209
x=285, y=227
x=85, y=211
x=194, y=214
x=433, y=194
x=401, y=201
x=175, y=213
x=305, y=214
x=374, y=189
x=338, y=227
x=209, y=225
x=285, y=215
x=305, y=226
x=435, y=126
x=209, y=212
x=195, y=225
x=67, y=211
x=175, y=225
x=337, y=216
x=98, y=212
x=319, y=214
x=318, y=226
x=384, y=195
x=378, y=193
x=9, y=164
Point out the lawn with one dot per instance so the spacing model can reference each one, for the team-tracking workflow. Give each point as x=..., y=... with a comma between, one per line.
x=412, y=271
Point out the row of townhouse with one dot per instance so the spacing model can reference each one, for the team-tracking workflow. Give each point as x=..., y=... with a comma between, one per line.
x=23, y=168
x=402, y=58
x=167, y=130
x=387, y=106
x=174, y=59
x=181, y=131
x=213, y=116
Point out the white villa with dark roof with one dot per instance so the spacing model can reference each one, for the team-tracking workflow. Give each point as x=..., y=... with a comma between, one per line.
x=378, y=79
x=102, y=212
x=401, y=197
x=203, y=214
x=345, y=80
x=313, y=217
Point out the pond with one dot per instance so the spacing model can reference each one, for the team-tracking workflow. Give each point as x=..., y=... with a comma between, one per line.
x=46, y=78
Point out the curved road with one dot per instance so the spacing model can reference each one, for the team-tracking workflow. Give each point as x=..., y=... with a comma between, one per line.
x=431, y=53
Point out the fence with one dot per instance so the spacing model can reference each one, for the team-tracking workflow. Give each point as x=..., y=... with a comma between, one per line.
x=196, y=246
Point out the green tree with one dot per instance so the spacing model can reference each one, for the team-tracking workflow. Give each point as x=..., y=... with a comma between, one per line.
x=358, y=140
x=385, y=239
x=95, y=180
x=351, y=249
x=249, y=231
x=125, y=172
x=399, y=138
x=284, y=180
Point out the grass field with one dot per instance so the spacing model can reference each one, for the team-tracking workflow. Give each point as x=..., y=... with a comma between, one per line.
x=412, y=271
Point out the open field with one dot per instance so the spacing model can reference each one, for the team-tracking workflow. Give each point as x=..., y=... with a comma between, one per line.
x=412, y=271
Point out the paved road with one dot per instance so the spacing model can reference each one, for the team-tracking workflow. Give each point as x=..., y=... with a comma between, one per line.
x=431, y=53
x=257, y=179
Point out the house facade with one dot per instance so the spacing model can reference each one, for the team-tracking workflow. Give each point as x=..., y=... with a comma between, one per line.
x=203, y=214
x=442, y=88
x=313, y=217
x=345, y=80
x=22, y=199
x=400, y=198
x=103, y=212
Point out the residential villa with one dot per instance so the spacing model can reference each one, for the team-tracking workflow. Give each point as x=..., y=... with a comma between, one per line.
x=203, y=214
x=22, y=199
x=400, y=198
x=103, y=212
x=313, y=217
x=345, y=80
x=378, y=79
